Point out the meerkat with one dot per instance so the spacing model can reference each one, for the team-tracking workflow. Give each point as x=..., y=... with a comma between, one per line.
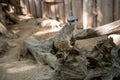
x=62, y=40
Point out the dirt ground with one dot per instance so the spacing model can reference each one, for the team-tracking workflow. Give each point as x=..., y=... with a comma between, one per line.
x=13, y=69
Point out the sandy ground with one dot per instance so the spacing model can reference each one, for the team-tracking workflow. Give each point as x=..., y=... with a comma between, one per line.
x=26, y=69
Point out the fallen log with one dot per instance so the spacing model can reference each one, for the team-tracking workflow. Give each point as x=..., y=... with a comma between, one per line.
x=41, y=51
x=5, y=16
x=58, y=45
x=98, y=31
x=11, y=17
x=101, y=63
x=5, y=32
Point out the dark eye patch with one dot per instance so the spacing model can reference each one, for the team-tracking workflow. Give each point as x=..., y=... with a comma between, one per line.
x=71, y=20
x=76, y=19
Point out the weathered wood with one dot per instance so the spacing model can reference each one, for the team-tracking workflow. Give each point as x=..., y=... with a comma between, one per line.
x=13, y=3
x=116, y=9
x=32, y=8
x=26, y=6
x=2, y=28
x=61, y=8
x=2, y=72
x=94, y=13
x=5, y=32
x=56, y=11
x=3, y=47
x=85, y=14
x=99, y=31
x=5, y=16
x=44, y=9
x=108, y=16
x=2, y=15
x=52, y=10
x=102, y=62
x=116, y=39
x=22, y=4
x=68, y=8
x=48, y=10
x=54, y=1
x=38, y=8
x=99, y=12
x=77, y=9
x=89, y=14
x=48, y=23
x=12, y=18
x=41, y=51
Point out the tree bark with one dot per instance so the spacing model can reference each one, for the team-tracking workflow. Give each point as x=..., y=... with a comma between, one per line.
x=68, y=9
x=11, y=17
x=108, y=9
x=99, y=31
x=116, y=9
x=85, y=14
x=32, y=7
x=38, y=8
x=5, y=32
x=99, y=12
x=41, y=51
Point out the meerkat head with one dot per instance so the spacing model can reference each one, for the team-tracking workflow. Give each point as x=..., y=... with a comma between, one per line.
x=72, y=20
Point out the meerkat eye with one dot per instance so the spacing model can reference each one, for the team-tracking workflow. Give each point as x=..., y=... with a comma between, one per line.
x=76, y=19
x=71, y=21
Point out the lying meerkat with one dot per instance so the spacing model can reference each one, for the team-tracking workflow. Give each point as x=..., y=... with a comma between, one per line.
x=62, y=40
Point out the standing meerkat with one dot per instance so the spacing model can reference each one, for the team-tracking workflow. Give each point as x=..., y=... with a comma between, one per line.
x=62, y=40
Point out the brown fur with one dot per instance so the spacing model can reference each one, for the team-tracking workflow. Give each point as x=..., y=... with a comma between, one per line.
x=63, y=38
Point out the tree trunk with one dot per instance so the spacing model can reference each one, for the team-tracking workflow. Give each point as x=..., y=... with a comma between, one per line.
x=41, y=51
x=99, y=31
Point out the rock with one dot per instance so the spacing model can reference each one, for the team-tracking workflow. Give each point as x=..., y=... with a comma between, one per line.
x=48, y=23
